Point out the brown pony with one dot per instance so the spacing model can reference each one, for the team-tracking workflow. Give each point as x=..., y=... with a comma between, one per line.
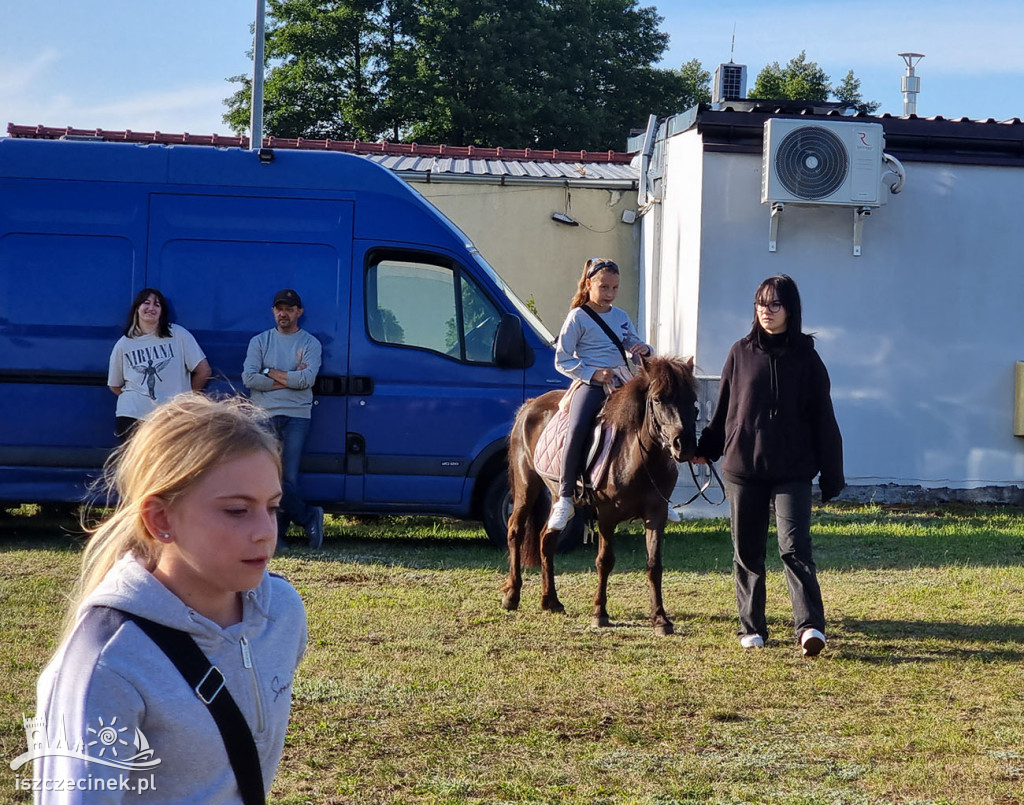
x=655, y=417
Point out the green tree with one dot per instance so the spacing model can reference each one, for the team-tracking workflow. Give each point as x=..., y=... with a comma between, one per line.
x=344, y=68
x=770, y=83
x=480, y=65
x=799, y=80
x=803, y=80
x=696, y=83
x=848, y=92
x=535, y=73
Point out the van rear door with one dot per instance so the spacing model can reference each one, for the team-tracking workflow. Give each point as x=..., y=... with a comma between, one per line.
x=220, y=259
x=70, y=262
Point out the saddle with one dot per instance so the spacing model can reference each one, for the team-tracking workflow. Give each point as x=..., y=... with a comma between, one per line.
x=547, y=458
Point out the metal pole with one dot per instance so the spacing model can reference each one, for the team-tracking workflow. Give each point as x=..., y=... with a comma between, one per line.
x=256, y=112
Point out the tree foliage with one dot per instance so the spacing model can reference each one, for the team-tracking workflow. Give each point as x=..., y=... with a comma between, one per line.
x=799, y=80
x=535, y=73
x=343, y=69
x=770, y=83
x=696, y=82
x=848, y=92
x=803, y=80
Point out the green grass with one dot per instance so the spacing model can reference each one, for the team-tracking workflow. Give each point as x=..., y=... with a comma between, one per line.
x=418, y=688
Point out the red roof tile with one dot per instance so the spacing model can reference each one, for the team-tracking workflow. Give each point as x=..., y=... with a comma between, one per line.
x=350, y=146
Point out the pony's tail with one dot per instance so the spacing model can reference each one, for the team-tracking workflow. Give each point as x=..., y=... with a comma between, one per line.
x=522, y=472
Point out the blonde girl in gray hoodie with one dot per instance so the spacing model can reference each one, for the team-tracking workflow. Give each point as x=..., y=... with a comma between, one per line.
x=187, y=547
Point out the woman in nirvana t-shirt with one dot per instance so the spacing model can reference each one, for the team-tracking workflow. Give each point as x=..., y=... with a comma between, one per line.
x=153, y=361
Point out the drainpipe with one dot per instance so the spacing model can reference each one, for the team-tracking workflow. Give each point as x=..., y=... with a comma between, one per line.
x=650, y=211
x=645, y=160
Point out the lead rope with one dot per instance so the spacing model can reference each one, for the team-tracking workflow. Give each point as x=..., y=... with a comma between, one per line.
x=713, y=476
x=701, y=490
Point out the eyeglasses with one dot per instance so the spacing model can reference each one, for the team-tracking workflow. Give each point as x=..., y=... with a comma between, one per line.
x=772, y=307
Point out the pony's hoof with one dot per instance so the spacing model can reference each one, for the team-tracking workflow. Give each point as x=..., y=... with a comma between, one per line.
x=554, y=606
x=600, y=621
x=663, y=629
x=510, y=602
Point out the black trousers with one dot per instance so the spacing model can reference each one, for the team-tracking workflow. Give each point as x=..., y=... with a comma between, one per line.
x=124, y=426
x=749, y=504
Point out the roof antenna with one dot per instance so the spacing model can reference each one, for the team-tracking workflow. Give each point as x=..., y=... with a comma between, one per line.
x=730, y=81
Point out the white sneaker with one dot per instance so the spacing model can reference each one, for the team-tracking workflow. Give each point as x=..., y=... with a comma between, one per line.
x=752, y=641
x=673, y=515
x=812, y=641
x=561, y=514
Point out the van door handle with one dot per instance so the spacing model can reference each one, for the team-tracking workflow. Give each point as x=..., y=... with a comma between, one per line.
x=330, y=386
x=360, y=386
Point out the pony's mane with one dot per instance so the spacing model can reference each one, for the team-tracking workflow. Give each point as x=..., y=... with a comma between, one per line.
x=625, y=409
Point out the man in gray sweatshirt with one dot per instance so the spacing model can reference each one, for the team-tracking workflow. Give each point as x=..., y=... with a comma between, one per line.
x=280, y=368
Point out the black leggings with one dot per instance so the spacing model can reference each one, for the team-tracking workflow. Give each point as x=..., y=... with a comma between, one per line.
x=586, y=402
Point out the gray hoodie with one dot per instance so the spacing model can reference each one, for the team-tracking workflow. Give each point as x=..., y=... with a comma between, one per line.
x=106, y=689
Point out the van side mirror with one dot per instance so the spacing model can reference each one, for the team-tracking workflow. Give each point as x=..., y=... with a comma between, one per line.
x=510, y=348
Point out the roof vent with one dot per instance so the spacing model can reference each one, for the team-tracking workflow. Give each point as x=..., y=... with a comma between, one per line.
x=911, y=83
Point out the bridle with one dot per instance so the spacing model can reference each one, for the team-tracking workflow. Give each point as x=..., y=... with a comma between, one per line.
x=657, y=434
x=652, y=425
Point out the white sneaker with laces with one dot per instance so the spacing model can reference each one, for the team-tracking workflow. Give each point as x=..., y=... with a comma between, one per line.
x=752, y=641
x=812, y=641
x=673, y=515
x=561, y=514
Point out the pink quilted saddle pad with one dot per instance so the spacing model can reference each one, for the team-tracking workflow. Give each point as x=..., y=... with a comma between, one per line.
x=547, y=458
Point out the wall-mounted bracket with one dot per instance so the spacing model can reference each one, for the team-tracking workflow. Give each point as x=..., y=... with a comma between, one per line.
x=773, y=232
x=859, y=214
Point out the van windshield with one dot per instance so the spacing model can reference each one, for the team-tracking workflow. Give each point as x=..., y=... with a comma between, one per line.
x=528, y=315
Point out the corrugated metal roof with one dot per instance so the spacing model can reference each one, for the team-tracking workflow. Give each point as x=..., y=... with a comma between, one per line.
x=430, y=168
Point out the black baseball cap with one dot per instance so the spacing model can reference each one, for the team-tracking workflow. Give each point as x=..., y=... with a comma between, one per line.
x=287, y=297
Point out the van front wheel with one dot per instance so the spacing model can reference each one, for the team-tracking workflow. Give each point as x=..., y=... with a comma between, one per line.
x=498, y=506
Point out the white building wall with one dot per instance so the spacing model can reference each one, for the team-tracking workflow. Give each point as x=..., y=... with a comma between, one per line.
x=678, y=283
x=920, y=334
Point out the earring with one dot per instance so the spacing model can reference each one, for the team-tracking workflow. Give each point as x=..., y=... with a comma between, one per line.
x=165, y=537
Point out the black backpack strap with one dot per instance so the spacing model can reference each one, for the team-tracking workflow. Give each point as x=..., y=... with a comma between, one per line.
x=208, y=683
x=608, y=331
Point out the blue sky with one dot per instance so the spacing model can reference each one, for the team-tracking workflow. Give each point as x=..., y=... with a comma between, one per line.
x=162, y=64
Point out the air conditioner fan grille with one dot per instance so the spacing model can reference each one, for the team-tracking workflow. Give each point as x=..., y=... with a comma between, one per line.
x=811, y=162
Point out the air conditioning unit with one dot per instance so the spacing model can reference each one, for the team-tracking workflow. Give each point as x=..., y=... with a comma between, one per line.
x=837, y=162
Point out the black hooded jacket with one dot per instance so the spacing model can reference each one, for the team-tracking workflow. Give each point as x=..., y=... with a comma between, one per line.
x=774, y=419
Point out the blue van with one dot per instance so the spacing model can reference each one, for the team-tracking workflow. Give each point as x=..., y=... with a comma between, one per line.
x=427, y=353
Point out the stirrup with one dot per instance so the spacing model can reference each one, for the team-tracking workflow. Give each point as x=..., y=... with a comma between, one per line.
x=583, y=494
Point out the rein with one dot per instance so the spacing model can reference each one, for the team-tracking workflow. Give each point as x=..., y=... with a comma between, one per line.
x=656, y=432
x=701, y=490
